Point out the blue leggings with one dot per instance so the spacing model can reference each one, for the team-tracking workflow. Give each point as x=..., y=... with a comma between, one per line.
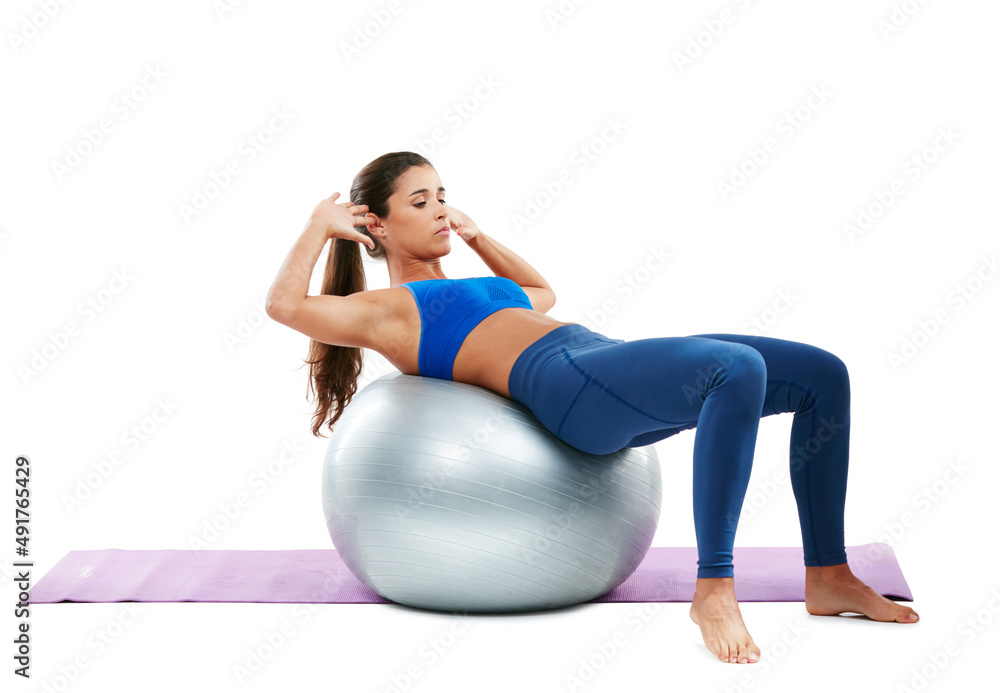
x=600, y=395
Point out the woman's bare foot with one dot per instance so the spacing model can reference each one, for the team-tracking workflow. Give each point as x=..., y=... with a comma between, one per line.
x=834, y=589
x=715, y=610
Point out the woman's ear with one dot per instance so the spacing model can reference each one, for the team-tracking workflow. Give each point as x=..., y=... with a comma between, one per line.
x=374, y=225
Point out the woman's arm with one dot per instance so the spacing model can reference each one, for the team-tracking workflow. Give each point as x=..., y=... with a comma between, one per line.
x=339, y=320
x=503, y=261
x=329, y=220
x=291, y=285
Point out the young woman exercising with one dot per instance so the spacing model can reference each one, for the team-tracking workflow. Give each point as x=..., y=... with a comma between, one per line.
x=595, y=393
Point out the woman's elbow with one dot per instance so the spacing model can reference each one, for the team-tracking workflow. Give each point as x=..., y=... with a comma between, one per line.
x=277, y=310
x=546, y=301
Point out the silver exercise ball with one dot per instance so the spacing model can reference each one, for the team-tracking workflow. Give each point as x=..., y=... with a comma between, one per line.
x=447, y=496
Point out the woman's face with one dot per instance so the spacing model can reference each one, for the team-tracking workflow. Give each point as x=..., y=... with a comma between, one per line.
x=417, y=215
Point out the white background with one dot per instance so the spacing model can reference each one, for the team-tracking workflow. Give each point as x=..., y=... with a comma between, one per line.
x=360, y=80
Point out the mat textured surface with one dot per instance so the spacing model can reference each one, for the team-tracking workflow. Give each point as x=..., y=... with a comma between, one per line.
x=318, y=576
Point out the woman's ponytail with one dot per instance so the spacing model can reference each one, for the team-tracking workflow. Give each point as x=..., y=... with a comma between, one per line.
x=334, y=370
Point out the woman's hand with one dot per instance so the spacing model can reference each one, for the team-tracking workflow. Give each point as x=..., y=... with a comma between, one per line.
x=462, y=224
x=340, y=218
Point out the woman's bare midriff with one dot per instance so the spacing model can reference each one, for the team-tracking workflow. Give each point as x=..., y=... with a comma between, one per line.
x=490, y=350
x=487, y=354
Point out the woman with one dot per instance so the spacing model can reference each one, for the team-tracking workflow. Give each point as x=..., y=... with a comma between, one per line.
x=584, y=387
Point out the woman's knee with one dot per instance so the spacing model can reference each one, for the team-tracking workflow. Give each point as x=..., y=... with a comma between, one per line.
x=716, y=362
x=831, y=370
x=746, y=363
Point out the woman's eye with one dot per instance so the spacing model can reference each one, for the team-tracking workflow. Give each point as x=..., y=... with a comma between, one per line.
x=421, y=204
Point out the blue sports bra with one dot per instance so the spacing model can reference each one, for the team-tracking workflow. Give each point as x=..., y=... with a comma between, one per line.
x=450, y=309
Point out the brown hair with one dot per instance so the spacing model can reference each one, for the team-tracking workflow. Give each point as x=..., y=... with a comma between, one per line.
x=334, y=370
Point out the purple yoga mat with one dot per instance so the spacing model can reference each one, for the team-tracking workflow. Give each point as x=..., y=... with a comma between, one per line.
x=318, y=576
